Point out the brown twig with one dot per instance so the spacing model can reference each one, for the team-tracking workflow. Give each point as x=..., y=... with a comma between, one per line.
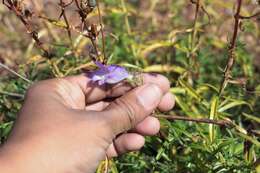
x=84, y=8
x=255, y=132
x=224, y=123
x=202, y=8
x=63, y=14
x=221, y=123
x=231, y=49
x=83, y=11
x=195, y=39
x=197, y=3
x=90, y=30
x=14, y=72
x=17, y=9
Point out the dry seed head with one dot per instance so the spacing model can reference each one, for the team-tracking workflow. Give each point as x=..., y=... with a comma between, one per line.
x=135, y=79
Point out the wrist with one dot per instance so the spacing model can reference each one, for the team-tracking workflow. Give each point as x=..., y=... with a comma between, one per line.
x=12, y=160
x=6, y=161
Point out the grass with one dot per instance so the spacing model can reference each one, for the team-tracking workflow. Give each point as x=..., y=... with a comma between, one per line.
x=160, y=36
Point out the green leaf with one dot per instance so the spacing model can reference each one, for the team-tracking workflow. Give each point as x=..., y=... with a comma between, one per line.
x=5, y=129
x=113, y=167
x=110, y=165
x=185, y=108
x=57, y=23
x=177, y=90
x=192, y=92
x=215, y=89
x=213, y=114
x=131, y=66
x=156, y=45
x=164, y=68
x=251, y=117
x=233, y=104
x=249, y=138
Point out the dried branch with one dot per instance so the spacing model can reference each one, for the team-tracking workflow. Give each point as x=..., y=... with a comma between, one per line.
x=221, y=123
x=231, y=49
x=225, y=123
x=17, y=8
x=195, y=38
x=202, y=8
x=63, y=14
x=195, y=30
x=84, y=8
x=90, y=30
x=14, y=72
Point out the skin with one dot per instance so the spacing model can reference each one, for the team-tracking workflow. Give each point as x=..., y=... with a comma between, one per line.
x=69, y=125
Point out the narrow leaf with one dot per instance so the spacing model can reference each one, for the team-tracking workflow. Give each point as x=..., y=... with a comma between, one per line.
x=213, y=114
x=234, y=104
x=251, y=117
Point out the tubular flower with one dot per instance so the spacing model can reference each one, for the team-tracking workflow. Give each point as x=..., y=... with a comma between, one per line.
x=108, y=74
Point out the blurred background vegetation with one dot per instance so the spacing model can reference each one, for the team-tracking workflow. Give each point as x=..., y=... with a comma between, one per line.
x=188, y=41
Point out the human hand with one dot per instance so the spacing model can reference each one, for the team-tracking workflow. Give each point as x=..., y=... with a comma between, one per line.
x=70, y=124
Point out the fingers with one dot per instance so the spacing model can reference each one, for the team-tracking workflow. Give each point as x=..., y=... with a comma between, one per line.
x=94, y=92
x=157, y=79
x=127, y=111
x=99, y=106
x=167, y=102
x=125, y=143
x=148, y=127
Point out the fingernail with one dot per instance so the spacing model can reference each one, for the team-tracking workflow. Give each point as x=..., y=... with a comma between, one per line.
x=149, y=95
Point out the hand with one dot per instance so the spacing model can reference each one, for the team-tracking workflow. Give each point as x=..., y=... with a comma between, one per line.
x=70, y=124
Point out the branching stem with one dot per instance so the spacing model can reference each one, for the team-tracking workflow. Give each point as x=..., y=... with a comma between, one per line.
x=231, y=49
x=16, y=8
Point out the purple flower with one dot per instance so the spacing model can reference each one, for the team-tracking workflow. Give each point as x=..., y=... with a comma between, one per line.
x=108, y=74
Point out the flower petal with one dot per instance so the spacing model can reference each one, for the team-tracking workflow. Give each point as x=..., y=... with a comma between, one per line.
x=100, y=65
x=110, y=74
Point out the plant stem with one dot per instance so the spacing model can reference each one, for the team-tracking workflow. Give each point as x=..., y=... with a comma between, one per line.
x=12, y=94
x=231, y=49
x=195, y=29
x=126, y=17
x=102, y=31
x=15, y=73
x=225, y=123
x=34, y=34
x=64, y=15
x=194, y=39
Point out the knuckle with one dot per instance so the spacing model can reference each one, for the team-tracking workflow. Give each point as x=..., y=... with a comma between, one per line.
x=33, y=89
x=127, y=110
x=44, y=87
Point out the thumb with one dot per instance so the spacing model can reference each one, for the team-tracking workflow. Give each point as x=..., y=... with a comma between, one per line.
x=127, y=111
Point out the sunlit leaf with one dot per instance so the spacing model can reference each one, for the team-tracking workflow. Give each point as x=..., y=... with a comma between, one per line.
x=234, y=104
x=148, y=49
x=164, y=68
x=213, y=114
x=251, y=117
x=249, y=138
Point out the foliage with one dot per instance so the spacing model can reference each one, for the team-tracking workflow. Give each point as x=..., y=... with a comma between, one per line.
x=165, y=37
